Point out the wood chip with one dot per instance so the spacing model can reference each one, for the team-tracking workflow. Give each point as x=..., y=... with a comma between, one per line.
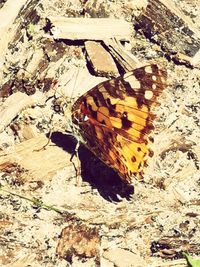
x=33, y=65
x=38, y=163
x=28, y=131
x=123, y=57
x=23, y=261
x=8, y=13
x=169, y=263
x=169, y=247
x=13, y=105
x=101, y=61
x=123, y=258
x=80, y=240
x=90, y=28
x=77, y=81
x=163, y=22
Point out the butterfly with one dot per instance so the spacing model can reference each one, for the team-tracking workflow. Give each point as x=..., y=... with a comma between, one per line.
x=114, y=119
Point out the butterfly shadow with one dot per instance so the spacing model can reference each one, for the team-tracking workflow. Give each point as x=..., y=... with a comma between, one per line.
x=108, y=183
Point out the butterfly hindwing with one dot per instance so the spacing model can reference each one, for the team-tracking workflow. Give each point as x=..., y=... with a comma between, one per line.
x=115, y=119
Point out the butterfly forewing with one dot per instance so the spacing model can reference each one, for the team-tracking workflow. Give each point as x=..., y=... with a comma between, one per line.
x=115, y=118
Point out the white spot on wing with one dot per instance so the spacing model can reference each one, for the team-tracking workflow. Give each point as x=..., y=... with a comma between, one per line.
x=154, y=86
x=154, y=78
x=148, y=94
x=148, y=69
x=86, y=118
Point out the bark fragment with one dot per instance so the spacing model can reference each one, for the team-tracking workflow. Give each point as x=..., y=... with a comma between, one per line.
x=165, y=24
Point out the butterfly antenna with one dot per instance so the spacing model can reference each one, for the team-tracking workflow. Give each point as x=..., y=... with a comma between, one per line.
x=77, y=166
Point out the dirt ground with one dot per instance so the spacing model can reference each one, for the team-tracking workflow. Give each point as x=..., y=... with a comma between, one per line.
x=107, y=222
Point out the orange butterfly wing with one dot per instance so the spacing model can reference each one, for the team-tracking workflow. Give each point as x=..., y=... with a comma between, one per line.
x=115, y=118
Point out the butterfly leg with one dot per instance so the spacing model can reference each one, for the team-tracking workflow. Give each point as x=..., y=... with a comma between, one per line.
x=47, y=143
x=77, y=166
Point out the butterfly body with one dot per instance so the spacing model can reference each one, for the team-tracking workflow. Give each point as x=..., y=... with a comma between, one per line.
x=114, y=119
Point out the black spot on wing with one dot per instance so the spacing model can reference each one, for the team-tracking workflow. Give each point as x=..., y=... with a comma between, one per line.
x=110, y=106
x=111, y=88
x=96, y=101
x=97, y=96
x=126, y=124
x=151, y=153
x=133, y=159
